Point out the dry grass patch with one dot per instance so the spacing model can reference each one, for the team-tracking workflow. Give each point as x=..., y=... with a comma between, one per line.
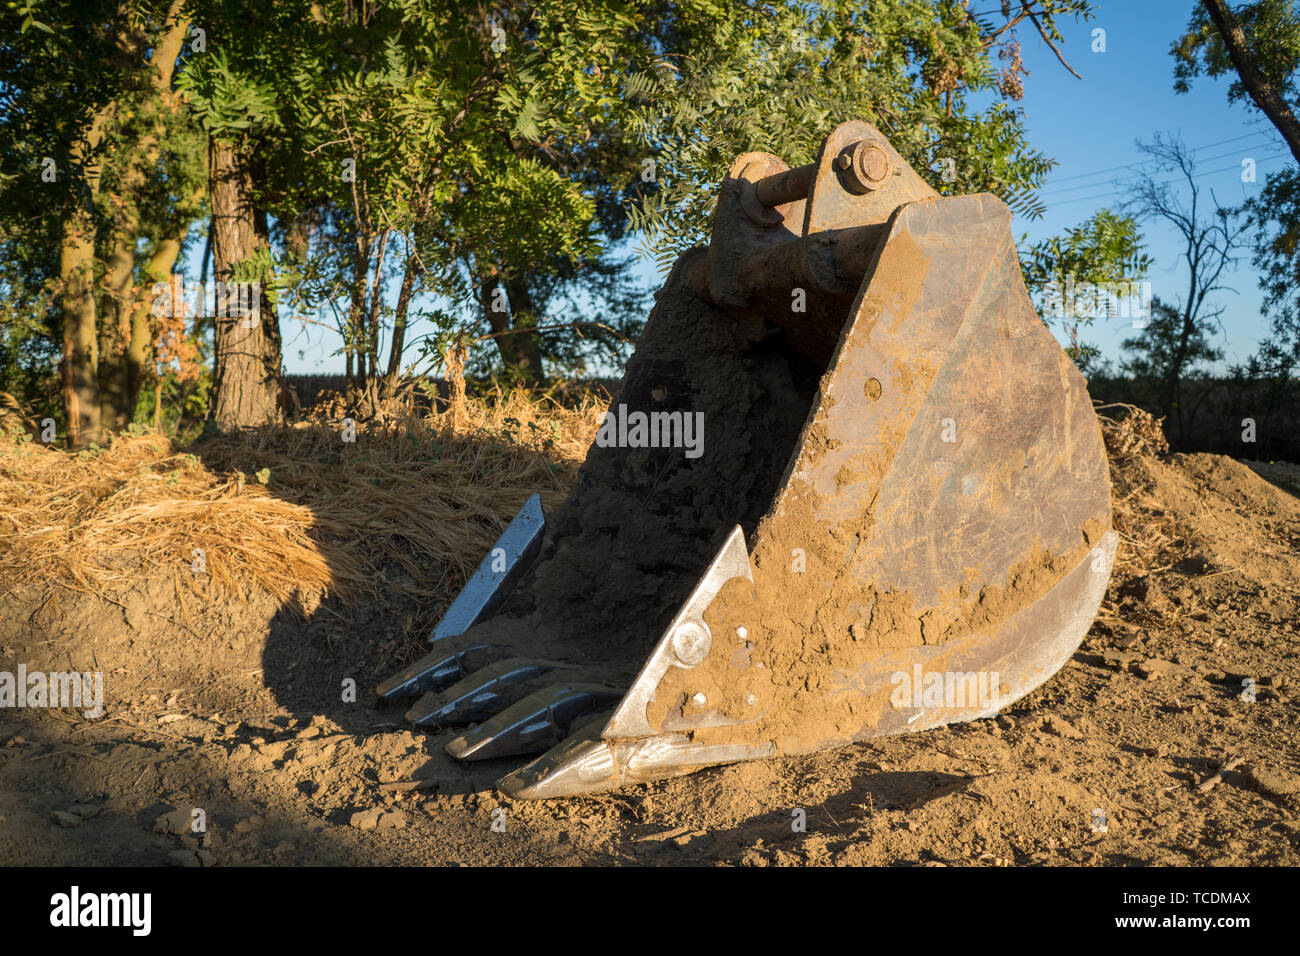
x=291, y=509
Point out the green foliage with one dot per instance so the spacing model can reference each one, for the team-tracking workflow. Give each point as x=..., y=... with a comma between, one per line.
x=29, y=348
x=515, y=140
x=226, y=101
x=485, y=141
x=52, y=80
x=1092, y=271
x=1272, y=29
x=522, y=213
x=67, y=68
x=1275, y=218
x=1159, y=350
x=756, y=76
x=1107, y=248
x=181, y=404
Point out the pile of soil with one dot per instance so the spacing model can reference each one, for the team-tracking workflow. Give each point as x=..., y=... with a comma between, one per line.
x=1171, y=737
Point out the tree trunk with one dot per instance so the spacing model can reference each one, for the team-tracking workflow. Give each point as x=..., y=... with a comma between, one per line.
x=115, y=407
x=498, y=321
x=396, y=347
x=80, y=365
x=1173, y=378
x=355, y=332
x=247, y=381
x=79, y=368
x=527, y=345
x=139, y=353
x=87, y=411
x=1265, y=94
x=372, y=324
x=518, y=345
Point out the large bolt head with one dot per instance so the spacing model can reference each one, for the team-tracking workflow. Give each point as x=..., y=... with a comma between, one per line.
x=691, y=642
x=865, y=165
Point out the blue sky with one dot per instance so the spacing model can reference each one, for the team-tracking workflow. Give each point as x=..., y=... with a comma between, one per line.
x=1090, y=127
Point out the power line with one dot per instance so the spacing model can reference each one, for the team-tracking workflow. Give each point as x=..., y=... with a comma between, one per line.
x=1209, y=172
x=1143, y=162
x=1208, y=159
x=1111, y=194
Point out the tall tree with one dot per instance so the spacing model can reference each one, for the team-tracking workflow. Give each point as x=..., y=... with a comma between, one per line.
x=1211, y=235
x=75, y=86
x=509, y=146
x=492, y=156
x=149, y=128
x=1258, y=43
x=459, y=132
x=246, y=373
x=257, y=63
x=1169, y=349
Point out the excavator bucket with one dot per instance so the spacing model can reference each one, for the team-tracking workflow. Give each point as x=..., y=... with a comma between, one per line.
x=850, y=486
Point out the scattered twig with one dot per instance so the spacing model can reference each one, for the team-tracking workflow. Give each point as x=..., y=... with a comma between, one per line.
x=403, y=786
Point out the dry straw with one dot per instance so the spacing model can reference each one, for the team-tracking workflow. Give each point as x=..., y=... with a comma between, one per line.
x=411, y=505
x=1150, y=537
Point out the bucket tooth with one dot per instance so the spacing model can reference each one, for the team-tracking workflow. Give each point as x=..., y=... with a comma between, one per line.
x=687, y=640
x=439, y=669
x=497, y=574
x=481, y=694
x=487, y=589
x=587, y=763
x=534, y=724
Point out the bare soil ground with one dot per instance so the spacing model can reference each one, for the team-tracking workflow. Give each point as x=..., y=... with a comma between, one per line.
x=1171, y=737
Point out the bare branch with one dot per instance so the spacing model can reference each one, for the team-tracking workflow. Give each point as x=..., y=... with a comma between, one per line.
x=1048, y=40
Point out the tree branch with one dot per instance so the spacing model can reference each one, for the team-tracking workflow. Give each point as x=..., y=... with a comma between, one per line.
x=1265, y=94
x=1048, y=40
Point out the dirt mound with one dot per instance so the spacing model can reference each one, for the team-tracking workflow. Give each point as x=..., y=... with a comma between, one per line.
x=1199, y=516
x=1245, y=524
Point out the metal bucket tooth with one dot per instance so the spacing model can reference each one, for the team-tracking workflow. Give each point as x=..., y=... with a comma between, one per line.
x=534, y=724
x=482, y=694
x=487, y=589
x=498, y=572
x=587, y=763
x=439, y=669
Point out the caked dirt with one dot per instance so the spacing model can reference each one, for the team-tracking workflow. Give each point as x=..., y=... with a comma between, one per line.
x=1170, y=737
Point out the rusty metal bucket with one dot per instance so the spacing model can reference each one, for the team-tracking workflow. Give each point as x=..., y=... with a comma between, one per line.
x=850, y=486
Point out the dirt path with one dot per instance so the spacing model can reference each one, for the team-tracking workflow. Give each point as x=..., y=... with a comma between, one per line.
x=1171, y=736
